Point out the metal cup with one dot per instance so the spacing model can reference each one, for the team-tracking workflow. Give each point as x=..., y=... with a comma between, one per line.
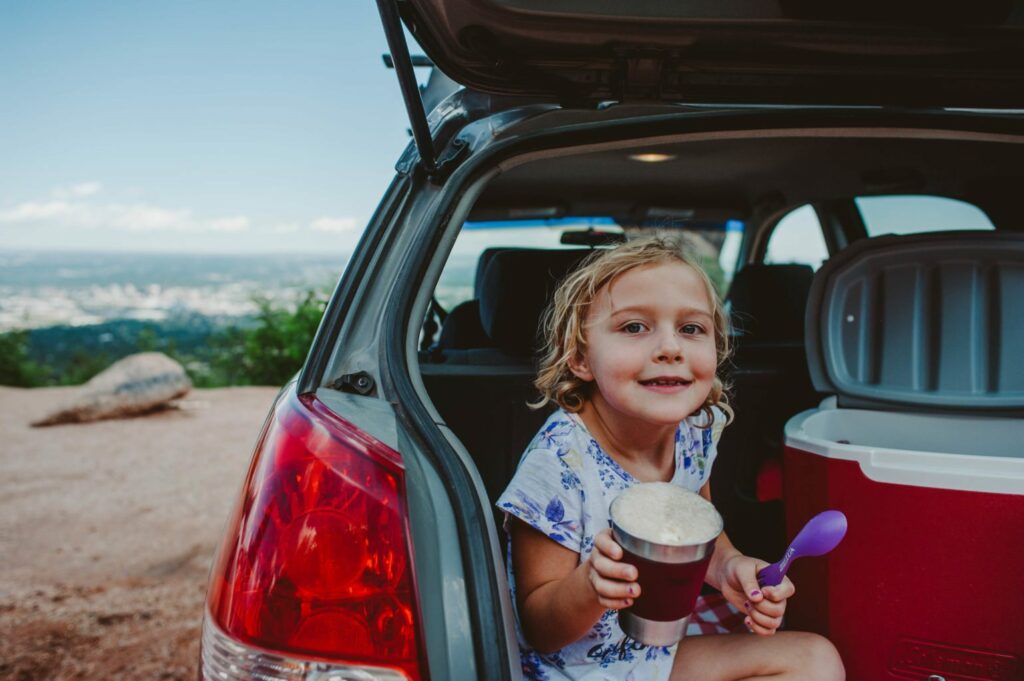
x=670, y=579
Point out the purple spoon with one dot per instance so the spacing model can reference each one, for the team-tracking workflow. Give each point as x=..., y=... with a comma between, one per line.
x=821, y=534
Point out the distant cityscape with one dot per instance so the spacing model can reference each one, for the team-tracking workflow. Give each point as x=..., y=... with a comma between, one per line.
x=40, y=290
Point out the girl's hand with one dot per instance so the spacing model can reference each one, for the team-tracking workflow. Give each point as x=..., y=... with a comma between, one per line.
x=614, y=583
x=764, y=607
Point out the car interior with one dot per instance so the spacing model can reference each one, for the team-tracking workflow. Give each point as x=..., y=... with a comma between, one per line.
x=477, y=359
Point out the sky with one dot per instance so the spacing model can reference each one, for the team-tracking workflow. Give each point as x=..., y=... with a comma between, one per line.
x=214, y=127
x=198, y=127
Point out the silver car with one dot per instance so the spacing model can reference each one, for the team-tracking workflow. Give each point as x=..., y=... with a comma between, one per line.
x=781, y=141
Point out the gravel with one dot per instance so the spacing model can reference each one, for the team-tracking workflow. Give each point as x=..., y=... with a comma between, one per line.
x=107, y=531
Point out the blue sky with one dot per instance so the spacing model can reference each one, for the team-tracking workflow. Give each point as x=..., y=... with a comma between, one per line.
x=194, y=126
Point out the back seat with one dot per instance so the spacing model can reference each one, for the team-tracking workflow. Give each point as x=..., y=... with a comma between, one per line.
x=461, y=329
x=481, y=392
x=770, y=383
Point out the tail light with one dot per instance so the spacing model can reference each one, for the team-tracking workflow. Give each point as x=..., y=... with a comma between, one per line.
x=314, y=578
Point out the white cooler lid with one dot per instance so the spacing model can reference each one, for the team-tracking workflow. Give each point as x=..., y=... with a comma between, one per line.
x=924, y=322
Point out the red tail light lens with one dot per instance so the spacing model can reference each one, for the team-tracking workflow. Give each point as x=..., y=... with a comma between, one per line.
x=317, y=560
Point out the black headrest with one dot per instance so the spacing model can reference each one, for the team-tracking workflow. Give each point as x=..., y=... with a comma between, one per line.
x=516, y=286
x=767, y=302
x=481, y=266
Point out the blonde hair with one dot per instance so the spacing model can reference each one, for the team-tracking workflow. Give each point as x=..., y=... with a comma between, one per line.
x=564, y=319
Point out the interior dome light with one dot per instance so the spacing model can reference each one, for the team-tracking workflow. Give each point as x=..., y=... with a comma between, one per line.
x=651, y=157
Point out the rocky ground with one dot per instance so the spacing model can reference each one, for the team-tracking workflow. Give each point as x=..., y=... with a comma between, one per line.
x=107, y=531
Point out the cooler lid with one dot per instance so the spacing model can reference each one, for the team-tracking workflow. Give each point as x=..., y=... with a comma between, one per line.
x=933, y=321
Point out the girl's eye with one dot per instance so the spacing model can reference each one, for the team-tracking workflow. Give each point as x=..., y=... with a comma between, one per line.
x=692, y=329
x=633, y=327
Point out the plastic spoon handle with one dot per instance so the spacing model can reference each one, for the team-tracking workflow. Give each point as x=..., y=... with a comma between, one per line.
x=821, y=534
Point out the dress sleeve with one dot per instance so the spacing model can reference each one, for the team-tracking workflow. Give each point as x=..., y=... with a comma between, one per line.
x=547, y=495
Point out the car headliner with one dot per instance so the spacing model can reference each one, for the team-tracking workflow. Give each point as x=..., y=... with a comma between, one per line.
x=736, y=175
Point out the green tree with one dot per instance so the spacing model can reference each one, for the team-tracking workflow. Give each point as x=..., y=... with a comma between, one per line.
x=271, y=350
x=15, y=366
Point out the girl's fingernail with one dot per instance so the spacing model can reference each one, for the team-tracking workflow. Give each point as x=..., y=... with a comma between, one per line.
x=750, y=625
x=746, y=604
x=631, y=592
x=755, y=593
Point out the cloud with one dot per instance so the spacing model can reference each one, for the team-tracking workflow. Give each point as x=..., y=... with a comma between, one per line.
x=76, y=191
x=328, y=224
x=237, y=223
x=73, y=207
x=34, y=212
x=138, y=217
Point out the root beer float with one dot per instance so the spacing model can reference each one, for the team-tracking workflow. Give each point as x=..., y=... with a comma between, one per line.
x=668, y=533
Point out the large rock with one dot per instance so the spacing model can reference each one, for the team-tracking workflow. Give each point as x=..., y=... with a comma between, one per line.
x=133, y=385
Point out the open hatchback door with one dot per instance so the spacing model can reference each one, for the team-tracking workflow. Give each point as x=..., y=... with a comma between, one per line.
x=870, y=53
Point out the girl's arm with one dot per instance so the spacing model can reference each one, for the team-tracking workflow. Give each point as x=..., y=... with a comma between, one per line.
x=735, y=575
x=559, y=598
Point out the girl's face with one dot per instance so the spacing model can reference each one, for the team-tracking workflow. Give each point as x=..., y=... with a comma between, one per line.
x=650, y=345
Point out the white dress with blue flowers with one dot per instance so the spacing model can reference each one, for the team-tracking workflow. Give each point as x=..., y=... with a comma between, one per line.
x=563, y=487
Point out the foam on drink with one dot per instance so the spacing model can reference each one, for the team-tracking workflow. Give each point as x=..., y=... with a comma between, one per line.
x=664, y=513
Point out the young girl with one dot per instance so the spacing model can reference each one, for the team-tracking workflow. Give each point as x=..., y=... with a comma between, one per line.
x=635, y=337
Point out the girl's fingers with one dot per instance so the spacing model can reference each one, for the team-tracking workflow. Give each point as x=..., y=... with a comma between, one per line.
x=765, y=622
x=780, y=592
x=621, y=594
x=613, y=581
x=609, y=588
x=767, y=607
x=612, y=569
x=614, y=604
x=603, y=541
x=756, y=628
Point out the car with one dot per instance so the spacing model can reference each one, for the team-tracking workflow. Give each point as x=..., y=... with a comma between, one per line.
x=815, y=156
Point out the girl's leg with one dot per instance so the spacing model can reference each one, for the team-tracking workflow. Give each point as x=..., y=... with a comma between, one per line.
x=787, y=655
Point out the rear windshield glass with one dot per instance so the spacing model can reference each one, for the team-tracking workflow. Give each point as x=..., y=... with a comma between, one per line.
x=716, y=246
x=913, y=214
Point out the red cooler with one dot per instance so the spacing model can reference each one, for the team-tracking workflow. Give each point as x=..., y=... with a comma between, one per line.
x=920, y=341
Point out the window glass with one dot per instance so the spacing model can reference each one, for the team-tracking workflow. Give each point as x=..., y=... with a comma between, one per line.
x=797, y=239
x=729, y=256
x=910, y=214
x=715, y=246
x=456, y=282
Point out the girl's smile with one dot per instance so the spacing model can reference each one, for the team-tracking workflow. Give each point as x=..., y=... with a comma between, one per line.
x=666, y=385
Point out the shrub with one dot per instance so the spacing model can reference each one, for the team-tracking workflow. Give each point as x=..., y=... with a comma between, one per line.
x=15, y=366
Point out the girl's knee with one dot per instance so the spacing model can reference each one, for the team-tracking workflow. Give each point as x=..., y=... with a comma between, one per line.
x=819, y=659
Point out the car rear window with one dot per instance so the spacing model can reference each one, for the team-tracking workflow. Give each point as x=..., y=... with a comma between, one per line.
x=913, y=214
x=457, y=278
x=716, y=246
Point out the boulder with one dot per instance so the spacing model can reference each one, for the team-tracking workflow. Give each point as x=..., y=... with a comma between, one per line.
x=133, y=385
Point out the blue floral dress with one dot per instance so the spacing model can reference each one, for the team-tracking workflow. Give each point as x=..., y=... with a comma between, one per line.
x=563, y=487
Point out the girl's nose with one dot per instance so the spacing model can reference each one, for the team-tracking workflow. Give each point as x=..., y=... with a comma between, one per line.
x=669, y=347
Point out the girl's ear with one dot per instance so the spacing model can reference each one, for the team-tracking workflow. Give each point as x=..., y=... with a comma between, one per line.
x=578, y=366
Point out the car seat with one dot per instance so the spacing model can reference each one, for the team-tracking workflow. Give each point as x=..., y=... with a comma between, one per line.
x=769, y=383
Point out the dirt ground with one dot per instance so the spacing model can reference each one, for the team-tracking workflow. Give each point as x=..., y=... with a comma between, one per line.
x=107, y=531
